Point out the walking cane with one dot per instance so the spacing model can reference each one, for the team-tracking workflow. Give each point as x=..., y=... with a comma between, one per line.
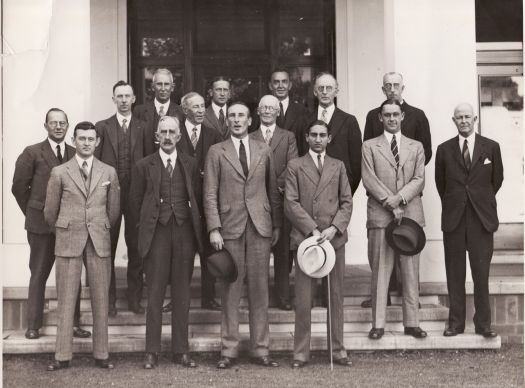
x=329, y=312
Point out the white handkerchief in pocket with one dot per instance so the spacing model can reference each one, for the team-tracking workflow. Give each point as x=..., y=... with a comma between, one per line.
x=487, y=161
x=104, y=184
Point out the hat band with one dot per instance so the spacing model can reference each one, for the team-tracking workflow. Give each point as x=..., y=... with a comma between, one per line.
x=324, y=256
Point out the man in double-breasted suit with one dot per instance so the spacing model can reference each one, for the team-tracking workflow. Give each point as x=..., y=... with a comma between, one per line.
x=284, y=149
x=215, y=115
x=82, y=205
x=243, y=215
x=32, y=171
x=318, y=202
x=469, y=173
x=124, y=140
x=163, y=86
x=164, y=206
x=393, y=171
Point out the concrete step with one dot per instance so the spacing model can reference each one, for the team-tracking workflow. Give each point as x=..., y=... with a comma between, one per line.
x=507, y=263
x=15, y=342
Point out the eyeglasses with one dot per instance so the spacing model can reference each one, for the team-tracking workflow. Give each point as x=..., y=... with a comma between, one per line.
x=328, y=89
x=270, y=109
x=54, y=124
x=392, y=86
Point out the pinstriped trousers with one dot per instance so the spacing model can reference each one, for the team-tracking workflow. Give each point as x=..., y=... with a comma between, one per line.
x=68, y=272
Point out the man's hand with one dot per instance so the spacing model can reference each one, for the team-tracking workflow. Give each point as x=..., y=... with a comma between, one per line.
x=216, y=240
x=275, y=235
x=392, y=201
x=327, y=235
x=398, y=214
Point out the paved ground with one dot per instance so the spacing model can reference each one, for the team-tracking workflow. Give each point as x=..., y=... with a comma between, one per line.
x=478, y=369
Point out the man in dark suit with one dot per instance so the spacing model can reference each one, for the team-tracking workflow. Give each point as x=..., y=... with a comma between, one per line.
x=32, y=171
x=243, y=215
x=162, y=85
x=215, y=116
x=164, y=206
x=284, y=149
x=82, y=205
x=124, y=140
x=469, y=173
x=414, y=126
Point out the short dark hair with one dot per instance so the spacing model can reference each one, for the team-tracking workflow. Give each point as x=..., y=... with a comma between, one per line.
x=390, y=102
x=219, y=78
x=84, y=125
x=243, y=104
x=280, y=69
x=121, y=83
x=55, y=110
x=318, y=122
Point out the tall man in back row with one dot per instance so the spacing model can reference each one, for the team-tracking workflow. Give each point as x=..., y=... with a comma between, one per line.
x=215, y=115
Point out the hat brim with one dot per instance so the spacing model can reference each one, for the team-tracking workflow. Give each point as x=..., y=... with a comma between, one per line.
x=329, y=262
x=417, y=230
x=221, y=265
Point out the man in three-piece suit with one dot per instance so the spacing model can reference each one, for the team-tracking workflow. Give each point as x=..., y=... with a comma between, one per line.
x=196, y=140
x=164, y=207
x=32, y=171
x=215, y=115
x=393, y=171
x=469, y=173
x=284, y=149
x=318, y=202
x=124, y=140
x=82, y=205
x=163, y=86
x=414, y=126
x=243, y=215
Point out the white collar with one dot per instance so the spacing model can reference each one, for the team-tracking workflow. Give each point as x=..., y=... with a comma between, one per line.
x=164, y=156
x=189, y=126
x=264, y=128
x=121, y=117
x=216, y=108
x=54, y=145
x=389, y=136
x=158, y=104
x=314, y=155
x=471, y=138
x=329, y=112
x=81, y=161
x=285, y=104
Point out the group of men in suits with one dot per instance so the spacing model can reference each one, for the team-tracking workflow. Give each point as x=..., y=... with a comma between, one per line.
x=191, y=179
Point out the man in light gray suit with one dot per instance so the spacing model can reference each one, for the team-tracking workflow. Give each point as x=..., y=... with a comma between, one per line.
x=393, y=174
x=82, y=204
x=244, y=215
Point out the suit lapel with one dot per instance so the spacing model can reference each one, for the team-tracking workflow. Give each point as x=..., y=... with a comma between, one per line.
x=134, y=133
x=276, y=139
x=406, y=147
x=48, y=154
x=326, y=176
x=155, y=173
x=310, y=169
x=184, y=168
x=384, y=149
x=150, y=112
x=456, y=152
x=73, y=170
x=96, y=174
x=255, y=156
x=478, y=151
x=231, y=155
x=335, y=122
x=257, y=135
x=112, y=133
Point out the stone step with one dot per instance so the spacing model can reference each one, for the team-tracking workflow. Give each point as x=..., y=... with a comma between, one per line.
x=507, y=263
x=15, y=342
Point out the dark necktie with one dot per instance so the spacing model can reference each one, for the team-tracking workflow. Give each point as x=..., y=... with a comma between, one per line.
x=124, y=126
x=242, y=159
x=466, y=155
x=320, y=164
x=59, y=154
x=169, y=167
x=395, y=151
x=280, y=119
x=221, y=117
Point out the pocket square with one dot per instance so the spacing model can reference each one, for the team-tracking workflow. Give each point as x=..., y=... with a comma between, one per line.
x=487, y=161
x=106, y=183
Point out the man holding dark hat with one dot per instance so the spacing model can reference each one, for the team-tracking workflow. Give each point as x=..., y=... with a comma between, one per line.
x=393, y=173
x=318, y=202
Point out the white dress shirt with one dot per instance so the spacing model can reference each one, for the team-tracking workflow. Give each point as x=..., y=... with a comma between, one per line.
x=285, y=104
x=264, y=128
x=166, y=106
x=120, y=118
x=164, y=156
x=54, y=145
x=329, y=112
x=470, y=143
x=314, y=155
x=189, y=128
x=389, y=137
x=81, y=161
x=216, y=109
x=237, y=144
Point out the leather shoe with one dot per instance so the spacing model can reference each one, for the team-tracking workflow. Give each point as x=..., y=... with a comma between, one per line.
x=284, y=304
x=104, y=364
x=210, y=304
x=376, y=334
x=185, y=360
x=150, y=361
x=366, y=304
x=415, y=332
x=487, y=332
x=112, y=310
x=345, y=361
x=32, y=334
x=81, y=333
x=298, y=364
x=136, y=307
x=167, y=308
x=451, y=332
x=225, y=363
x=265, y=361
x=56, y=365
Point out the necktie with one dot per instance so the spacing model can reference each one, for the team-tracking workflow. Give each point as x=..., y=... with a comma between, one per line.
x=268, y=137
x=125, y=126
x=59, y=154
x=320, y=164
x=221, y=117
x=280, y=119
x=324, y=116
x=395, y=151
x=85, y=173
x=242, y=159
x=161, y=111
x=194, y=139
x=169, y=167
x=466, y=155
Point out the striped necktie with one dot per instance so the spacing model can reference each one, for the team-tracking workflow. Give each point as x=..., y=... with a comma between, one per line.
x=395, y=151
x=169, y=167
x=268, y=137
x=125, y=125
x=466, y=155
x=194, y=139
x=221, y=117
x=324, y=116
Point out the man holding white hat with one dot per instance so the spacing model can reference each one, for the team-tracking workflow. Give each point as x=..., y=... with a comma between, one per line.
x=318, y=203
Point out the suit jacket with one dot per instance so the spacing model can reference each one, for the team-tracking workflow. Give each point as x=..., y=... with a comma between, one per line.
x=141, y=141
x=381, y=179
x=146, y=112
x=317, y=201
x=76, y=213
x=32, y=171
x=144, y=197
x=479, y=185
x=345, y=145
x=230, y=197
x=414, y=125
x=284, y=149
x=211, y=121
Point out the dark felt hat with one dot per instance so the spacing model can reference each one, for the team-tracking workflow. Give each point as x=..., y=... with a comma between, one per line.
x=222, y=266
x=407, y=239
